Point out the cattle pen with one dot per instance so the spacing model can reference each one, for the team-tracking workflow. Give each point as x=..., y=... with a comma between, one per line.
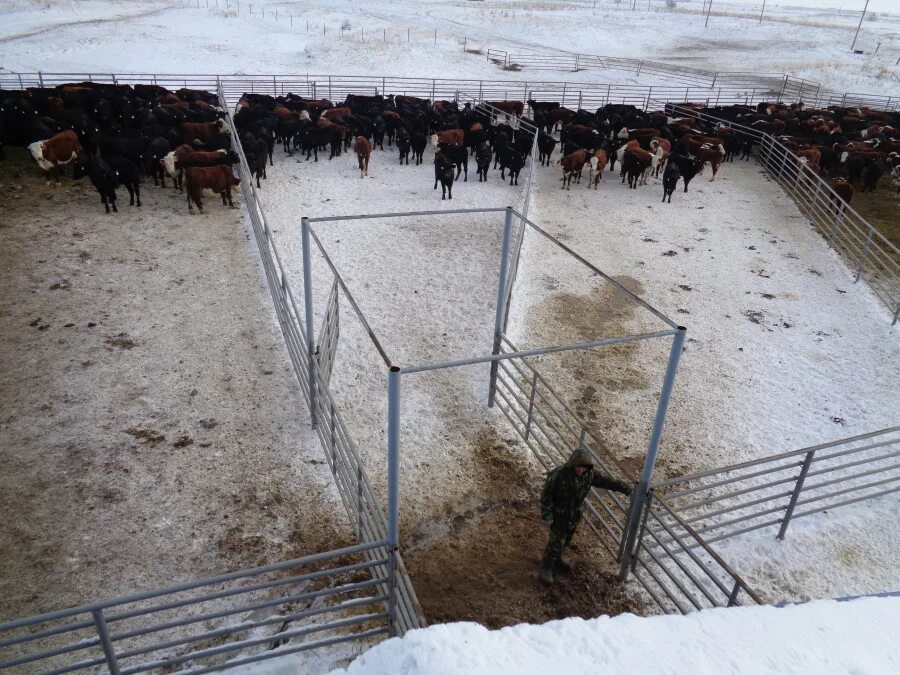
x=668, y=567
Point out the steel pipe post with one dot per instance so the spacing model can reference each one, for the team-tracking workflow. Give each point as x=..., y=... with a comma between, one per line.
x=501, y=301
x=665, y=395
x=393, y=533
x=795, y=495
x=308, y=312
x=105, y=641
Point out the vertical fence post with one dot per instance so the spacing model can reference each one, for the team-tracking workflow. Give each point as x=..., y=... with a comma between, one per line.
x=393, y=532
x=359, y=517
x=501, y=301
x=41, y=79
x=103, y=632
x=798, y=488
x=534, y=380
x=864, y=255
x=308, y=311
x=732, y=599
x=640, y=537
x=638, y=494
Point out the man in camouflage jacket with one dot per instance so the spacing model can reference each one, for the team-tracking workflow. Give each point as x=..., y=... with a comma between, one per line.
x=562, y=504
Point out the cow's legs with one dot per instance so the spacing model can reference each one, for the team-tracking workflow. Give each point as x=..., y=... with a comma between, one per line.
x=104, y=202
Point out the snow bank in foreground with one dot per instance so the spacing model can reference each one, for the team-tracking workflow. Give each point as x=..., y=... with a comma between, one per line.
x=820, y=637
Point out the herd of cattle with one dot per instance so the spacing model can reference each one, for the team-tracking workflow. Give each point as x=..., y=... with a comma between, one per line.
x=116, y=133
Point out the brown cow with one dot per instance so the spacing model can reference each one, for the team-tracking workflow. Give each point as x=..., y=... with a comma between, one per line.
x=843, y=190
x=202, y=131
x=56, y=151
x=561, y=116
x=218, y=179
x=811, y=157
x=571, y=167
x=363, y=150
x=711, y=152
x=598, y=163
x=283, y=113
x=448, y=137
x=509, y=107
x=335, y=113
x=662, y=148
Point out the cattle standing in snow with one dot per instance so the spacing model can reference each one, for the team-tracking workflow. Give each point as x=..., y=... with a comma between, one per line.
x=108, y=173
x=218, y=179
x=670, y=180
x=54, y=152
x=443, y=172
x=363, y=150
x=483, y=160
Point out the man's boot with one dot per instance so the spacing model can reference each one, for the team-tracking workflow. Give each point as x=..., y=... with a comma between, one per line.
x=562, y=566
x=545, y=574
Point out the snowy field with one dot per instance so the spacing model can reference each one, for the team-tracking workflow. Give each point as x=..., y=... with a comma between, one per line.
x=427, y=39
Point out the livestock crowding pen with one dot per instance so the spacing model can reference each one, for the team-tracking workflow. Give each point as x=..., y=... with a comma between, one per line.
x=655, y=535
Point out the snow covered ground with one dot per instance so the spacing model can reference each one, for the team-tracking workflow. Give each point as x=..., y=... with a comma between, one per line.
x=822, y=637
x=427, y=39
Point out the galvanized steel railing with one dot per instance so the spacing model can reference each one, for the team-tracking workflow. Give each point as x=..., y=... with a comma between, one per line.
x=678, y=568
x=214, y=623
x=768, y=492
x=591, y=95
x=356, y=492
x=552, y=431
x=868, y=253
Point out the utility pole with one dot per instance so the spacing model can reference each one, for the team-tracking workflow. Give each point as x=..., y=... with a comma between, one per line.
x=860, y=25
x=763, y=11
x=709, y=9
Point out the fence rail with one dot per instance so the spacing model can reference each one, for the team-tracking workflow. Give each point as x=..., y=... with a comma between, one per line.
x=356, y=492
x=868, y=253
x=721, y=91
x=773, y=491
x=552, y=431
x=236, y=618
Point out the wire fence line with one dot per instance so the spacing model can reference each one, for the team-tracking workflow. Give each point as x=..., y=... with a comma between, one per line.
x=868, y=254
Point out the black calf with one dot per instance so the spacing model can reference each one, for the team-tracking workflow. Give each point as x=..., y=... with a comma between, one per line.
x=670, y=180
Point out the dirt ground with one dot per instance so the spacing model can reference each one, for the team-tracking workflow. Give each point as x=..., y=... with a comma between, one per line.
x=151, y=429
x=880, y=209
x=480, y=561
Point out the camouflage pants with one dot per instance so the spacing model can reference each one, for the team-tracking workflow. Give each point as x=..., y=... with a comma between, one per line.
x=561, y=534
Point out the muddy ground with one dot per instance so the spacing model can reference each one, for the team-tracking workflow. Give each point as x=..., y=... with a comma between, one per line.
x=480, y=561
x=151, y=429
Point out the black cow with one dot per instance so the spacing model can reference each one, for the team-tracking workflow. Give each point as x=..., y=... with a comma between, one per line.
x=443, y=171
x=158, y=148
x=460, y=158
x=483, y=155
x=418, y=141
x=872, y=174
x=687, y=167
x=670, y=180
x=546, y=145
x=106, y=174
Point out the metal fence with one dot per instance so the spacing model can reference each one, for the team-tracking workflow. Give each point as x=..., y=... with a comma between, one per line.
x=769, y=492
x=712, y=91
x=868, y=253
x=682, y=517
x=214, y=623
x=552, y=431
x=723, y=86
x=356, y=492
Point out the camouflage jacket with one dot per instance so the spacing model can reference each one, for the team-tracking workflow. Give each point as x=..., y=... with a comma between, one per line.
x=562, y=498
